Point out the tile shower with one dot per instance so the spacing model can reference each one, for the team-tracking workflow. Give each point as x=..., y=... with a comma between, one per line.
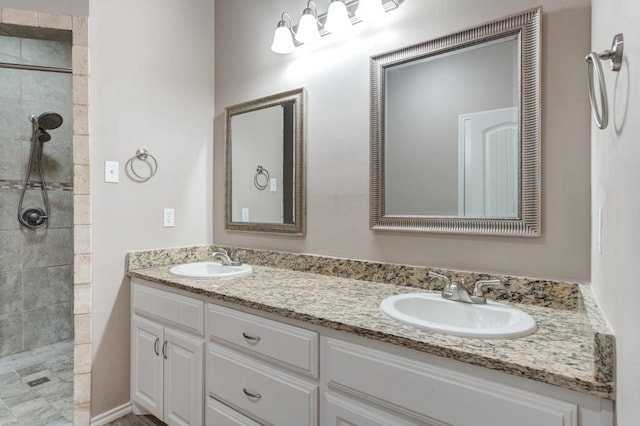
x=36, y=265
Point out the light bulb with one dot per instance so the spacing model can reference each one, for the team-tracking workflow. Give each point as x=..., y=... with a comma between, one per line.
x=308, y=27
x=282, y=41
x=370, y=10
x=282, y=37
x=338, y=20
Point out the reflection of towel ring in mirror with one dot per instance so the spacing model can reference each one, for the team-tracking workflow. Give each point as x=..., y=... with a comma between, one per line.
x=261, y=171
x=142, y=155
x=594, y=68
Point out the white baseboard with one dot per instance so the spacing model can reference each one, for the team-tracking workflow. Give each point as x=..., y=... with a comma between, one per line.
x=111, y=415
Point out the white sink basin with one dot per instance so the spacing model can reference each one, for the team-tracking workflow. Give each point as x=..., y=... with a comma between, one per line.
x=210, y=270
x=430, y=311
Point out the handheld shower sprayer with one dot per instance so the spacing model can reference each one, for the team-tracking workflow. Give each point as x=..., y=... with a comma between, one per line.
x=35, y=217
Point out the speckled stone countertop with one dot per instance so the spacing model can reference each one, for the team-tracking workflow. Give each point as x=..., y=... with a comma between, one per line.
x=572, y=348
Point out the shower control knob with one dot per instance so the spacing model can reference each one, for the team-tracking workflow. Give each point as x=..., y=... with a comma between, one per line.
x=33, y=217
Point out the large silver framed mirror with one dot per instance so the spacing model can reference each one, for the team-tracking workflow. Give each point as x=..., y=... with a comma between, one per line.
x=455, y=132
x=265, y=187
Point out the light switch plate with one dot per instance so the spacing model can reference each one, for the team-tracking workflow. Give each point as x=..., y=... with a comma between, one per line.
x=598, y=230
x=111, y=171
x=274, y=184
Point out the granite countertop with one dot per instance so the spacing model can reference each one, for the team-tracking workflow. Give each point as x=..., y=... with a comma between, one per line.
x=561, y=352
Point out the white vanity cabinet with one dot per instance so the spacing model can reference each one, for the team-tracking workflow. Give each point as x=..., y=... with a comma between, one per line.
x=167, y=351
x=366, y=386
x=262, y=369
x=195, y=363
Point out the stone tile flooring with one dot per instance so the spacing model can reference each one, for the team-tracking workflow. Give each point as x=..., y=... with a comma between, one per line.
x=36, y=387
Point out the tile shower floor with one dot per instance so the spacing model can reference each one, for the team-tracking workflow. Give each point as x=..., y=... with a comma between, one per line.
x=36, y=387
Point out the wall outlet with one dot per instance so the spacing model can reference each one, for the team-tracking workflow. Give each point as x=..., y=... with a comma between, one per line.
x=245, y=214
x=169, y=218
x=111, y=171
x=274, y=184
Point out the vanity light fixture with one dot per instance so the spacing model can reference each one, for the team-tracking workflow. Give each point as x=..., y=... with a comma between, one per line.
x=342, y=14
x=338, y=20
x=283, y=38
x=308, y=31
x=370, y=10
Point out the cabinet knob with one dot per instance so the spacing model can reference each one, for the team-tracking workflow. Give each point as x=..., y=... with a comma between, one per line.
x=251, y=338
x=251, y=394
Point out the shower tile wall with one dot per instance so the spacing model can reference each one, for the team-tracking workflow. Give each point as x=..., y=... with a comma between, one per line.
x=36, y=266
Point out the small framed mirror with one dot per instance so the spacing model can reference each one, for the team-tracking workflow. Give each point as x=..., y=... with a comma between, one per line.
x=265, y=188
x=455, y=132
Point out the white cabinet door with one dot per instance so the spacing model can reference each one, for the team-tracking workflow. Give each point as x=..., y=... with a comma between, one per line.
x=183, y=379
x=146, y=359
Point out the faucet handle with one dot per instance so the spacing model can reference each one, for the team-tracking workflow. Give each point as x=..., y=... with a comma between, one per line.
x=236, y=257
x=477, y=288
x=447, y=281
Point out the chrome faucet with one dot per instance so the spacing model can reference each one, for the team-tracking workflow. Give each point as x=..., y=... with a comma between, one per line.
x=458, y=291
x=225, y=259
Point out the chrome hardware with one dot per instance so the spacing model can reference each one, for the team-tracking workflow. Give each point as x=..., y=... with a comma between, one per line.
x=222, y=255
x=155, y=346
x=447, y=282
x=457, y=291
x=236, y=257
x=143, y=156
x=594, y=69
x=225, y=259
x=477, y=288
x=252, y=338
x=261, y=171
x=164, y=350
x=251, y=394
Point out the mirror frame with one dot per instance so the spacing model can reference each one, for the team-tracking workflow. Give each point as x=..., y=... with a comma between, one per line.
x=526, y=26
x=298, y=227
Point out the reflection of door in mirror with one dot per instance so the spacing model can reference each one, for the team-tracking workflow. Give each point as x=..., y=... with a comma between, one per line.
x=262, y=165
x=488, y=163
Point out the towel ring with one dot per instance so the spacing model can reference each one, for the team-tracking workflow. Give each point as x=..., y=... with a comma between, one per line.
x=594, y=70
x=261, y=171
x=143, y=156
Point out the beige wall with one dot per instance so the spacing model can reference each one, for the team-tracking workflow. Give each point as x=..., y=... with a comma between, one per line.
x=62, y=7
x=151, y=87
x=616, y=188
x=336, y=75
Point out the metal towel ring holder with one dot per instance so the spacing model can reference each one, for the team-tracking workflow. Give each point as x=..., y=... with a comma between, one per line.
x=261, y=171
x=594, y=69
x=143, y=155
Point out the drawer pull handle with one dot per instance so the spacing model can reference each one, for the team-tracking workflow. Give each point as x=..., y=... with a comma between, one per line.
x=164, y=349
x=155, y=346
x=252, y=338
x=251, y=394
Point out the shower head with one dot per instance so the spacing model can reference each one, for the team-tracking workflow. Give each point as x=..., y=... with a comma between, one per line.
x=49, y=121
x=43, y=136
x=46, y=121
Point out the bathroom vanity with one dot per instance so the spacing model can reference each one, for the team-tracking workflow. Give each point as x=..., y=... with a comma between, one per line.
x=285, y=347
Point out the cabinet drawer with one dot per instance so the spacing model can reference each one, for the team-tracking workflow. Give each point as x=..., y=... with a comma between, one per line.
x=169, y=307
x=437, y=395
x=283, y=344
x=219, y=414
x=279, y=398
x=342, y=411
